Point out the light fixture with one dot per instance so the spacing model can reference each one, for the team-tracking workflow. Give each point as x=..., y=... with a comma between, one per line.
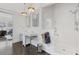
x=31, y=9
x=24, y=13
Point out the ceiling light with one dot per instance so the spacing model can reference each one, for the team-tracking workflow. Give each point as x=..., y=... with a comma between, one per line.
x=31, y=9
x=24, y=13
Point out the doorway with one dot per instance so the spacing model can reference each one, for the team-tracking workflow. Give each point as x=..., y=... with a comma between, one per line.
x=6, y=31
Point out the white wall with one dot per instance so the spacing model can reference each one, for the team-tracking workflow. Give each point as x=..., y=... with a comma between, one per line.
x=67, y=40
x=18, y=27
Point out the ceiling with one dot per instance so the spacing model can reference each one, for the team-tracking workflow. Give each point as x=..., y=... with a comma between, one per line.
x=19, y=7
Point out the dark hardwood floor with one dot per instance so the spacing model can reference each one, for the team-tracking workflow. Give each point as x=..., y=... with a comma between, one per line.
x=19, y=49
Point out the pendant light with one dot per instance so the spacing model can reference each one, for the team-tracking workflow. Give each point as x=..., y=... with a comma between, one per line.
x=30, y=9
x=24, y=13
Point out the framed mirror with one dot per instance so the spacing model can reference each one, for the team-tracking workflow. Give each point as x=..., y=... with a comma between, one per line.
x=35, y=20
